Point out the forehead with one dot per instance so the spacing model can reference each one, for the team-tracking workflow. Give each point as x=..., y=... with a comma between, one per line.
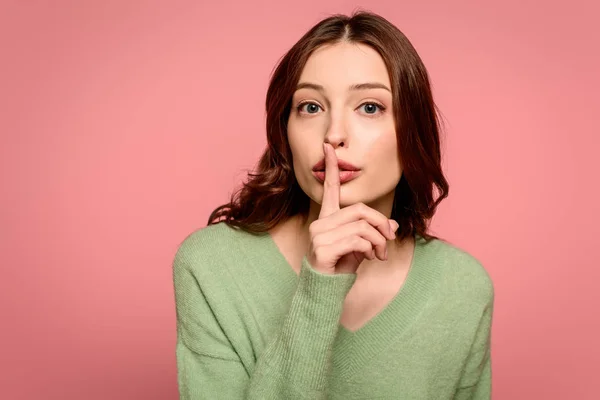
x=343, y=64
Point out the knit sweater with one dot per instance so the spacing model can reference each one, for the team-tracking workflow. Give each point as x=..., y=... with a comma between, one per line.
x=250, y=327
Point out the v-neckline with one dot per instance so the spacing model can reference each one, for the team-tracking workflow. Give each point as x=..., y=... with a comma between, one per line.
x=352, y=349
x=345, y=331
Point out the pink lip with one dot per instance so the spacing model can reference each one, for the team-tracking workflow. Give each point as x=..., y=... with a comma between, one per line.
x=345, y=176
x=342, y=165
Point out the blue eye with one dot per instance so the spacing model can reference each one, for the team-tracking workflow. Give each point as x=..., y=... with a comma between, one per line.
x=311, y=109
x=371, y=108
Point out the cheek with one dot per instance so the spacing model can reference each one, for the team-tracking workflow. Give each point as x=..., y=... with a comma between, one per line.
x=383, y=156
x=300, y=151
x=382, y=144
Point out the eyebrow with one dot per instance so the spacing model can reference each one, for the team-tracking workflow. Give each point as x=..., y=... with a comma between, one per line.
x=357, y=86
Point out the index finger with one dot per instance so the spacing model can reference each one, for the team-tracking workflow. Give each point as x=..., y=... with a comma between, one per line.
x=331, y=186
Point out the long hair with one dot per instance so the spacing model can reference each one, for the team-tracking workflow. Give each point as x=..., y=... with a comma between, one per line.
x=272, y=194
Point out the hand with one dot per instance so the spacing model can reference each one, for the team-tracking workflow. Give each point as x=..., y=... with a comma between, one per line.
x=341, y=239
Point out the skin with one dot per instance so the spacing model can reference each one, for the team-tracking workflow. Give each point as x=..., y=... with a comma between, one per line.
x=360, y=127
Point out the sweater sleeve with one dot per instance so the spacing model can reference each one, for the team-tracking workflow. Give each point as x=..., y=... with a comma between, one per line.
x=476, y=380
x=294, y=365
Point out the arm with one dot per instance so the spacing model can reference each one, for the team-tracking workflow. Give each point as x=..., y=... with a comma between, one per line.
x=294, y=364
x=476, y=380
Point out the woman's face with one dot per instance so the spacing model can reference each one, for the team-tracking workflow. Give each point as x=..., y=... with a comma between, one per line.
x=357, y=122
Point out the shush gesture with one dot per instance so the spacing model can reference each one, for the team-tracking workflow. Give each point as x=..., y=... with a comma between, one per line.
x=340, y=239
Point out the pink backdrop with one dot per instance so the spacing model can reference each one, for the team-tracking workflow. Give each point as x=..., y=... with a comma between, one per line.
x=124, y=123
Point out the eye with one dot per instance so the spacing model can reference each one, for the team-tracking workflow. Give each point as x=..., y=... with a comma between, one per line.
x=311, y=109
x=371, y=107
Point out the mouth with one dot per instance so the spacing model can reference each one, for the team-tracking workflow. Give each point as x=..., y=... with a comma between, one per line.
x=345, y=175
x=342, y=166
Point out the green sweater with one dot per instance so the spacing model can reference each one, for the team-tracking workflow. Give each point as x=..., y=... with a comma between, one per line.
x=249, y=327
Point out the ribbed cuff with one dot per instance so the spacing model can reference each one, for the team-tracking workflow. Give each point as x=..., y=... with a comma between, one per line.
x=324, y=293
x=312, y=325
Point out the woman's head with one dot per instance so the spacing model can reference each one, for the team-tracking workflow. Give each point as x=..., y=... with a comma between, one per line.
x=357, y=83
x=344, y=97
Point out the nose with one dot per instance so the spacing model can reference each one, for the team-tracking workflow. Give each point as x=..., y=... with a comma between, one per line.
x=337, y=132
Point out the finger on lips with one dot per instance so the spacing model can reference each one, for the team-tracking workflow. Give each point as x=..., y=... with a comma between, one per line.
x=331, y=199
x=331, y=187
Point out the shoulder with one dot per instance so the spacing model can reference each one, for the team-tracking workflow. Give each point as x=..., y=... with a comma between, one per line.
x=206, y=239
x=462, y=272
x=205, y=246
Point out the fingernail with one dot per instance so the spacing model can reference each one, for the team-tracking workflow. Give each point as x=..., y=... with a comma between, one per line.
x=385, y=254
x=395, y=225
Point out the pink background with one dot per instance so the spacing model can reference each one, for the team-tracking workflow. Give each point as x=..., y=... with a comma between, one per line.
x=124, y=123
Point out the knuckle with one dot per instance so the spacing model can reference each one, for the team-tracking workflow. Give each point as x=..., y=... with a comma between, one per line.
x=364, y=245
x=317, y=241
x=321, y=254
x=312, y=229
x=356, y=206
x=362, y=209
x=318, y=252
x=385, y=220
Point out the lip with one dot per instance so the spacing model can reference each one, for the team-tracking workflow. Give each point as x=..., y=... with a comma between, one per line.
x=345, y=176
x=342, y=165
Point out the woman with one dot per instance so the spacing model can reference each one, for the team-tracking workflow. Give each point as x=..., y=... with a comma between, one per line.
x=321, y=281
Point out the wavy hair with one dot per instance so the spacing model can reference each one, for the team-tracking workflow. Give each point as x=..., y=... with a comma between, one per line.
x=272, y=194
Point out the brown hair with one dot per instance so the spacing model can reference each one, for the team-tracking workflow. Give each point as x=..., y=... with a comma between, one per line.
x=272, y=194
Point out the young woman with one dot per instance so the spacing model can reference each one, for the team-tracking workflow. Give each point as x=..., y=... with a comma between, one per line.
x=319, y=279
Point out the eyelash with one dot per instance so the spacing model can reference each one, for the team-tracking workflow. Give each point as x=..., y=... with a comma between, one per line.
x=381, y=106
